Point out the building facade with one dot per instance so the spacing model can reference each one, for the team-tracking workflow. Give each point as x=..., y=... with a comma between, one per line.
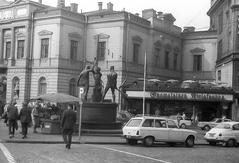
x=43, y=49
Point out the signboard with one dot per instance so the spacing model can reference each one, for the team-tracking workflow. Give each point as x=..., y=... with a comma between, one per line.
x=180, y=96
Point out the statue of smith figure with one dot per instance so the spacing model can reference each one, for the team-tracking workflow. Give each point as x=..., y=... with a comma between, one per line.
x=111, y=83
x=83, y=80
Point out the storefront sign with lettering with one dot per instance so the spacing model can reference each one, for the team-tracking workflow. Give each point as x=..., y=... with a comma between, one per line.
x=181, y=96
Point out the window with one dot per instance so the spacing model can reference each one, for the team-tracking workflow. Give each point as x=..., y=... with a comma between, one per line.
x=8, y=50
x=160, y=123
x=220, y=22
x=219, y=75
x=73, y=52
x=175, y=61
x=42, y=86
x=135, y=52
x=134, y=122
x=72, y=87
x=166, y=59
x=20, y=49
x=148, y=123
x=172, y=124
x=156, y=57
x=236, y=127
x=44, y=47
x=219, y=49
x=101, y=50
x=197, y=63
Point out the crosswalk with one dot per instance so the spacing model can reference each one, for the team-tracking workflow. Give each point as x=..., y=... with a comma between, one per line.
x=7, y=154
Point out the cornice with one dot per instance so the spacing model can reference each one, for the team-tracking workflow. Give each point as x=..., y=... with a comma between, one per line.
x=214, y=6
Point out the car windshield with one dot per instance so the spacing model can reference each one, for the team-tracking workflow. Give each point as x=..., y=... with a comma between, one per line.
x=134, y=122
x=214, y=119
x=223, y=126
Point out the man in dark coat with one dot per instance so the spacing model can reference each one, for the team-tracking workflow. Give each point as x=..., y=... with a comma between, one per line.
x=12, y=115
x=25, y=118
x=68, y=122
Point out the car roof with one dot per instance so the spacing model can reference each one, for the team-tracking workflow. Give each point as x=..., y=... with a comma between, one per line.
x=231, y=123
x=150, y=117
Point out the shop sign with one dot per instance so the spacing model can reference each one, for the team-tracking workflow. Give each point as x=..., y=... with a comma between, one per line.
x=180, y=96
x=191, y=96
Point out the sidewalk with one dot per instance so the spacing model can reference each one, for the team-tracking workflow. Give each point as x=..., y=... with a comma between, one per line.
x=39, y=138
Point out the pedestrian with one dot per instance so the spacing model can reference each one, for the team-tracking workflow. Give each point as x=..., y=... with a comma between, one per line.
x=12, y=115
x=25, y=118
x=67, y=123
x=35, y=117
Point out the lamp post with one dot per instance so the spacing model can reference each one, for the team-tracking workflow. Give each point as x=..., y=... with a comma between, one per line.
x=81, y=91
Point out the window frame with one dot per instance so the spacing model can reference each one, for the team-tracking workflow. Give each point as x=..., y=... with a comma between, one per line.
x=197, y=63
x=44, y=48
x=72, y=87
x=7, y=49
x=20, y=48
x=42, y=82
x=101, y=50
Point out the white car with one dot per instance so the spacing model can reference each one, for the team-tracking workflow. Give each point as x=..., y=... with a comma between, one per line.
x=208, y=125
x=151, y=129
x=226, y=133
x=183, y=123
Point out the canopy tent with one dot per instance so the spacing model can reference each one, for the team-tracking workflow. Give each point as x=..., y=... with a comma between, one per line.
x=57, y=98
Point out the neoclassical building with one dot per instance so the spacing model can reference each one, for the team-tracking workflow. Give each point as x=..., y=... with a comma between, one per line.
x=43, y=49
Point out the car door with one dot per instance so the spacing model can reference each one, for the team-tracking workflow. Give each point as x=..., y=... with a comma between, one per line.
x=161, y=130
x=235, y=129
x=174, y=133
x=147, y=128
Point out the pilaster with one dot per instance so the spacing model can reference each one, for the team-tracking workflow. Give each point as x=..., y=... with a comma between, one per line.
x=12, y=57
x=1, y=45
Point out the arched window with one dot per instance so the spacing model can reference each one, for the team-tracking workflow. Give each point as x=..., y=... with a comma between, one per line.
x=42, y=85
x=15, y=88
x=72, y=87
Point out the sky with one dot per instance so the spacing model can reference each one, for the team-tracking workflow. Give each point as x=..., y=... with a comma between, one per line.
x=186, y=12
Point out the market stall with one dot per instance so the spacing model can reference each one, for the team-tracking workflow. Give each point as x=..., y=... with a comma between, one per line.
x=52, y=107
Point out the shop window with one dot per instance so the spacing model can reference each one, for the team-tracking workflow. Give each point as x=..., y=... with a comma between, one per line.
x=101, y=50
x=42, y=86
x=44, y=47
x=20, y=49
x=166, y=59
x=8, y=49
x=197, y=63
x=219, y=75
x=72, y=87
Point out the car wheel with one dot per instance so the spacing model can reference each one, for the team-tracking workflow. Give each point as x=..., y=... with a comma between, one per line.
x=148, y=141
x=231, y=143
x=189, y=141
x=183, y=126
x=212, y=143
x=207, y=128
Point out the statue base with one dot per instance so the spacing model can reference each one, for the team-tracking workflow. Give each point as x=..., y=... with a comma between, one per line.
x=99, y=116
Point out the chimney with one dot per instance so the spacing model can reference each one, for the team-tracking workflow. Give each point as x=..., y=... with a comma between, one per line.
x=110, y=6
x=100, y=5
x=188, y=29
x=149, y=13
x=40, y=1
x=61, y=3
x=74, y=7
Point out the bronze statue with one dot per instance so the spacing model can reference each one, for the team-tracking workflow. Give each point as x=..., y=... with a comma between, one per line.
x=97, y=90
x=111, y=83
x=83, y=81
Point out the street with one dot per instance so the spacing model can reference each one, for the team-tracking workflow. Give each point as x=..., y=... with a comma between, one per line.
x=90, y=153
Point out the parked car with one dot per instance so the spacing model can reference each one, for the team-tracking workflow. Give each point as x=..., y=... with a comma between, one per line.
x=151, y=129
x=183, y=122
x=208, y=125
x=226, y=133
